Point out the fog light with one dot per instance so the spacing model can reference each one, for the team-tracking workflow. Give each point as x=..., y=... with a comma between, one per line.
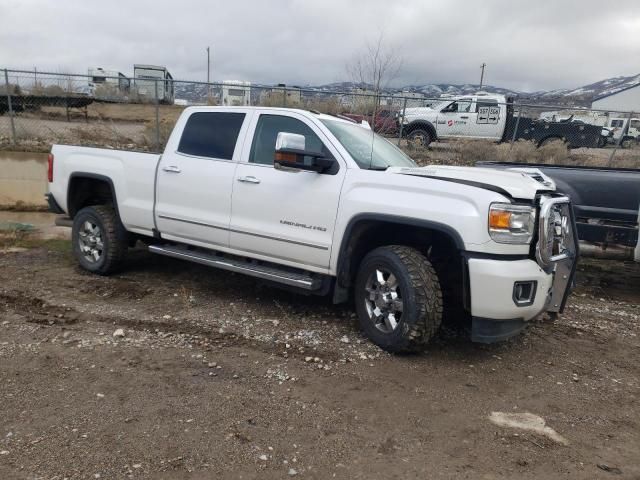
x=524, y=293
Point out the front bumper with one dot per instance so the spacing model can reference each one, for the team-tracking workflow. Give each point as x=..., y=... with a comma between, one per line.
x=496, y=314
x=491, y=285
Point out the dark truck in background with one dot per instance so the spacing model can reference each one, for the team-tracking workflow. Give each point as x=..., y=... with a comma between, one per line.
x=606, y=202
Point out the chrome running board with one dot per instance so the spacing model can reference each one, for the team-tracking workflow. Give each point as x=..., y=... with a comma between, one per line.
x=274, y=274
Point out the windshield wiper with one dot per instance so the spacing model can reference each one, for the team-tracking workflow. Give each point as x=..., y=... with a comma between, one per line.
x=381, y=169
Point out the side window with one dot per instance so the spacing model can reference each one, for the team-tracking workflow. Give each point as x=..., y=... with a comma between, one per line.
x=264, y=140
x=452, y=107
x=616, y=123
x=211, y=134
x=463, y=105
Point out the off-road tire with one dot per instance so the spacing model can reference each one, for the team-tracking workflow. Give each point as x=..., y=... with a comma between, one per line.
x=417, y=133
x=114, y=239
x=421, y=294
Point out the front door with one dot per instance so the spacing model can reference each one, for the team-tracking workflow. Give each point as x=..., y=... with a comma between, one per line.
x=195, y=178
x=454, y=119
x=288, y=215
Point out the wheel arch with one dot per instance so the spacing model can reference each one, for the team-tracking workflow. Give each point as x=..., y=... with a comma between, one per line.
x=421, y=124
x=87, y=188
x=367, y=231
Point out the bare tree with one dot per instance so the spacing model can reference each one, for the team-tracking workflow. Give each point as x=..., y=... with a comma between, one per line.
x=375, y=67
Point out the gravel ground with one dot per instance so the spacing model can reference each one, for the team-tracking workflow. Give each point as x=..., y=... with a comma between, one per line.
x=172, y=370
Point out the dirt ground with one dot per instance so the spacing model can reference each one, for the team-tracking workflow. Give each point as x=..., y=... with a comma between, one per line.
x=216, y=376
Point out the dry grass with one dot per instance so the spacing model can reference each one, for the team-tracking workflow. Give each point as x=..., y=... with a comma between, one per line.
x=151, y=135
x=468, y=152
x=132, y=126
x=117, y=112
x=21, y=206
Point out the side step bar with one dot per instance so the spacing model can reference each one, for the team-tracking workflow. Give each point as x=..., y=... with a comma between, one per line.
x=62, y=221
x=273, y=274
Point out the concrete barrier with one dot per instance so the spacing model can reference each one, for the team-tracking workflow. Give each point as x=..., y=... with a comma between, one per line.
x=23, y=178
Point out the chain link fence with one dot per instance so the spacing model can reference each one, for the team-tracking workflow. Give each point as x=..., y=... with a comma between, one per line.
x=38, y=109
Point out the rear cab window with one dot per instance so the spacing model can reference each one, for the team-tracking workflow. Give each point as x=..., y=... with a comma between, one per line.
x=211, y=134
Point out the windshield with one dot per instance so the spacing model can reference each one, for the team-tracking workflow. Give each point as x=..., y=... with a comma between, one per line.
x=368, y=149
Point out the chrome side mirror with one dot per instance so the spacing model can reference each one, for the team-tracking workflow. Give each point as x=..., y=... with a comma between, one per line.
x=290, y=141
x=291, y=153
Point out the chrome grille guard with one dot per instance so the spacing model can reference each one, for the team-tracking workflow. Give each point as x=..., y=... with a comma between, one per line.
x=557, y=247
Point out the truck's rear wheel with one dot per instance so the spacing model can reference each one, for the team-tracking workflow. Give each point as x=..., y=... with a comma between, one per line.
x=398, y=298
x=99, y=239
x=419, y=138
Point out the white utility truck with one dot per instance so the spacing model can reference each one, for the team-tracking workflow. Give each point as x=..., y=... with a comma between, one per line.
x=322, y=205
x=489, y=117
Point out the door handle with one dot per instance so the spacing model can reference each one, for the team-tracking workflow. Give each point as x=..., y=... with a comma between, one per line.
x=464, y=116
x=171, y=169
x=248, y=179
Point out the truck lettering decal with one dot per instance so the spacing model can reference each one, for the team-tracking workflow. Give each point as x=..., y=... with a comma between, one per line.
x=303, y=225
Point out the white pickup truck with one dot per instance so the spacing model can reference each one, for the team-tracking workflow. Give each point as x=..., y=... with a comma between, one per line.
x=325, y=206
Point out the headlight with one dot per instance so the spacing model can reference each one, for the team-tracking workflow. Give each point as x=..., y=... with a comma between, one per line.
x=511, y=223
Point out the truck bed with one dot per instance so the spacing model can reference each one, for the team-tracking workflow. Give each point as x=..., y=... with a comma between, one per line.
x=576, y=134
x=130, y=174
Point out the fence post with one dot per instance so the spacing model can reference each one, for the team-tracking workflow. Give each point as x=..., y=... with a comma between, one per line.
x=625, y=130
x=284, y=97
x=157, y=117
x=515, y=128
x=401, y=120
x=13, y=125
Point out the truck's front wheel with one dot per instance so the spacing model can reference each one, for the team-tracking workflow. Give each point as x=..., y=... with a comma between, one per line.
x=419, y=138
x=398, y=298
x=99, y=239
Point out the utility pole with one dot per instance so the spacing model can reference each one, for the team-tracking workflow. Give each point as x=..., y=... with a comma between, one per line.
x=208, y=65
x=208, y=75
x=482, y=74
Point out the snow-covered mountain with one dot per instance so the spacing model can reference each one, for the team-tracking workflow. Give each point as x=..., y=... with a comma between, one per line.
x=597, y=89
x=585, y=93
x=574, y=96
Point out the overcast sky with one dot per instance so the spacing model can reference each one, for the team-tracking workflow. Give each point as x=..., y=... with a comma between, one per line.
x=544, y=44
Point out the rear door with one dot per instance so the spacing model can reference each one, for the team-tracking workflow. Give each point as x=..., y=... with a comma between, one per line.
x=195, y=177
x=282, y=214
x=487, y=119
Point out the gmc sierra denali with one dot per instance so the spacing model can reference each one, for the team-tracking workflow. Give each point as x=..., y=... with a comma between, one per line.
x=322, y=205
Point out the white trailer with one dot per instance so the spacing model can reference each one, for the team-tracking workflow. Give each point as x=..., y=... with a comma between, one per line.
x=146, y=77
x=113, y=79
x=236, y=93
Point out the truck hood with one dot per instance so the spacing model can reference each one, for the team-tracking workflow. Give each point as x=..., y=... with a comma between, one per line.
x=520, y=183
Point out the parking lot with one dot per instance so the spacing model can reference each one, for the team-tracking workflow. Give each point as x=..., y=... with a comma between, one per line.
x=211, y=375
